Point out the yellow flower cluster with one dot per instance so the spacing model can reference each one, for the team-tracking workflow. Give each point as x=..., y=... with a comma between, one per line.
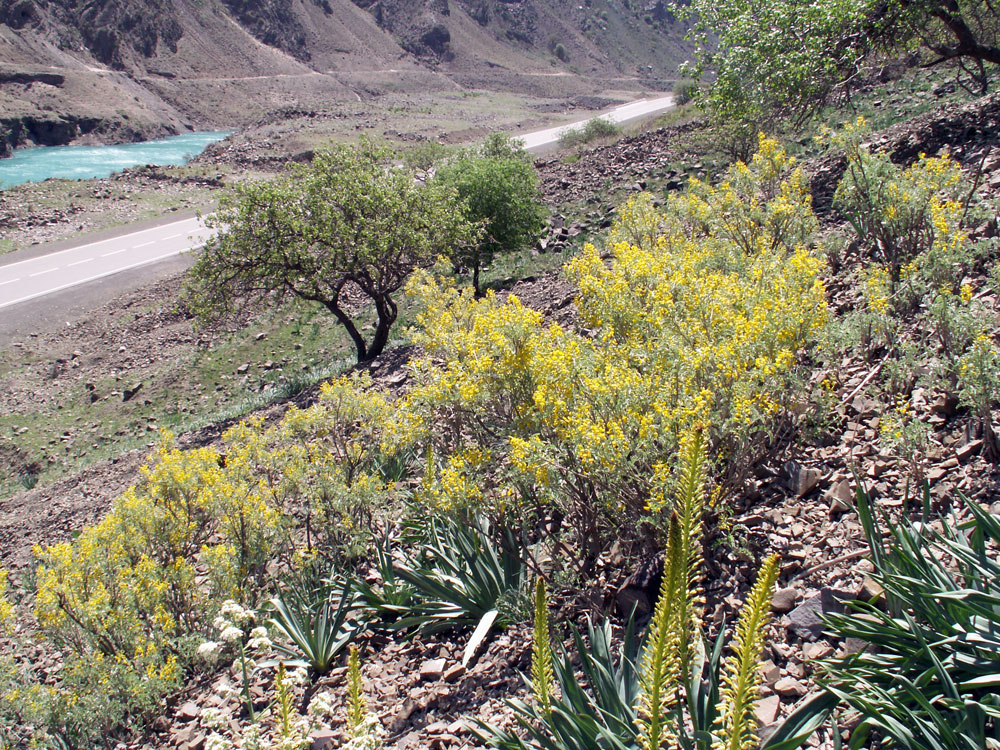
x=7, y=613
x=876, y=290
x=204, y=525
x=699, y=316
x=455, y=487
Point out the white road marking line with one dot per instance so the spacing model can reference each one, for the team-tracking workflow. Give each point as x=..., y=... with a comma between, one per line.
x=41, y=273
x=144, y=244
x=114, y=252
x=78, y=262
x=4, y=283
x=100, y=276
x=198, y=226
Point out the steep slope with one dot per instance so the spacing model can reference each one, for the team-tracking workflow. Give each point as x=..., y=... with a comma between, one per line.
x=120, y=69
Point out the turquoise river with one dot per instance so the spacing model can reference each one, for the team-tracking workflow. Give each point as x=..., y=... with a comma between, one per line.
x=83, y=162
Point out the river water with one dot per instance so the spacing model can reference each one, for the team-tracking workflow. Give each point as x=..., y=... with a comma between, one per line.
x=83, y=162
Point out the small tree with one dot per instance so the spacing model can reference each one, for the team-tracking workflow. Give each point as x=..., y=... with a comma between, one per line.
x=499, y=187
x=790, y=57
x=347, y=223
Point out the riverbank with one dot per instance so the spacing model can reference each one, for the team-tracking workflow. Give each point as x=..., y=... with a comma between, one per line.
x=85, y=162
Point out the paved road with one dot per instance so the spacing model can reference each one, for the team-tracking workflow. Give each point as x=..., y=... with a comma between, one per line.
x=542, y=140
x=28, y=279
x=24, y=280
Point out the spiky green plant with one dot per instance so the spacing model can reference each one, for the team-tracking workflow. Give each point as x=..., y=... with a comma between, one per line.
x=316, y=621
x=690, y=509
x=542, y=679
x=660, y=667
x=461, y=573
x=357, y=710
x=741, y=674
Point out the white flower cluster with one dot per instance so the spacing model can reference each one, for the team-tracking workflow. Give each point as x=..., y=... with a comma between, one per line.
x=213, y=718
x=209, y=649
x=225, y=690
x=321, y=706
x=259, y=639
x=232, y=619
x=234, y=613
x=216, y=741
x=370, y=735
x=250, y=738
x=297, y=676
x=231, y=623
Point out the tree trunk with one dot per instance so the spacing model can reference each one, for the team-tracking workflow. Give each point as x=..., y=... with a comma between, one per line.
x=352, y=330
x=387, y=311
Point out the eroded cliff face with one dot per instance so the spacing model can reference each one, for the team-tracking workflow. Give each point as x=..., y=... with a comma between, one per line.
x=114, y=32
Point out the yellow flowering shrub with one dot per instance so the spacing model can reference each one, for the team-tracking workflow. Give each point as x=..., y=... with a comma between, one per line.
x=910, y=216
x=324, y=464
x=129, y=598
x=701, y=315
x=8, y=616
x=979, y=386
x=215, y=517
x=130, y=579
x=918, y=312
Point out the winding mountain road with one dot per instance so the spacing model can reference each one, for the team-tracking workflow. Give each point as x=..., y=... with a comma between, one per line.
x=24, y=280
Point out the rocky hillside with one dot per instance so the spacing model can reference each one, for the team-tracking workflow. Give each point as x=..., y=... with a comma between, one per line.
x=121, y=69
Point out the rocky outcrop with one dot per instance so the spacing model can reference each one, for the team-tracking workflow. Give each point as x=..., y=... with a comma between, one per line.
x=26, y=78
x=274, y=23
x=64, y=129
x=117, y=30
x=420, y=27
x=18, y=14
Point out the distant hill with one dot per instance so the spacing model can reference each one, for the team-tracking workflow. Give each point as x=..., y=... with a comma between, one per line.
x=121, y=69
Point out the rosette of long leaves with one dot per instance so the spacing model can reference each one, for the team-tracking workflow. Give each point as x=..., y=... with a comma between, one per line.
x=388, y=600
x=460, y=574
x=930, y=676
x=316, y=621
x=592, y=706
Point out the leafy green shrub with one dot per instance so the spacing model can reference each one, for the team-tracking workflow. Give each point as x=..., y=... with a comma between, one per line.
x=97, y=698
x=979, y=386
x=559, y=50
x=793, y=58
x=598, y=127
x=928, y=678
x=498, y=188
x=911, y=220
x=423, y=156
x=347, y=220
x=902, y=214
x=685, y=91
